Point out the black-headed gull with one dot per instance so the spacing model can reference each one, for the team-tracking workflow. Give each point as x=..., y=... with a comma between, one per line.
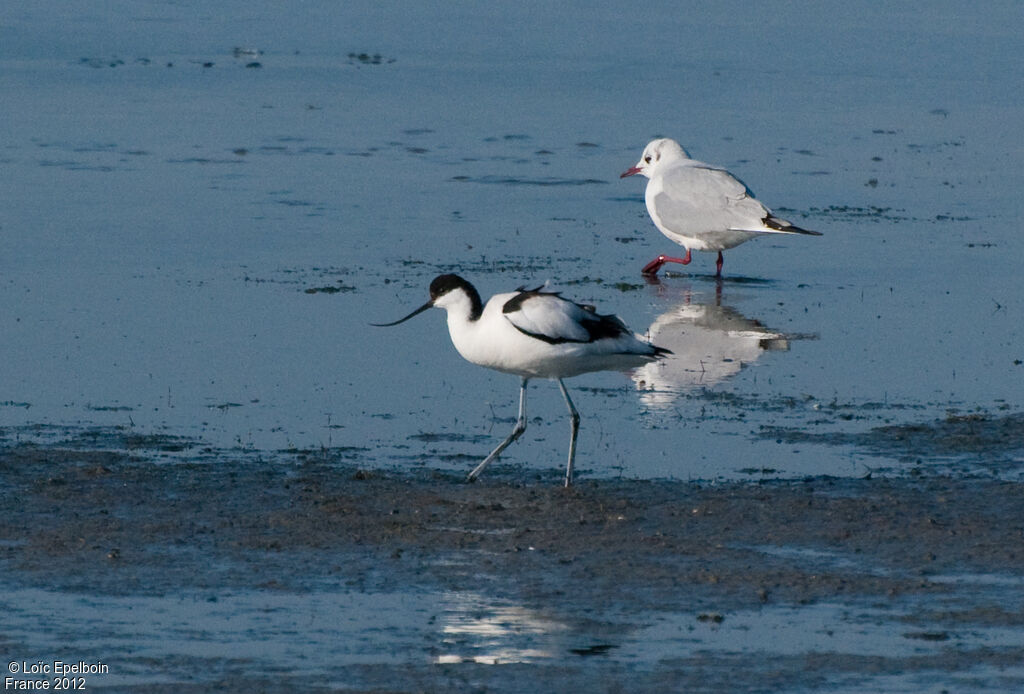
x=700, y=206
x=534, y=334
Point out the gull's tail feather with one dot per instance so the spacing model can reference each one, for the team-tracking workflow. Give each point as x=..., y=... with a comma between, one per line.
x=776, y=224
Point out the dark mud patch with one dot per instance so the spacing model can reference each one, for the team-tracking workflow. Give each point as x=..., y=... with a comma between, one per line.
x=340, y=287
x=849, y=213
x=114, y=439
x=992, y=443
x=317, y=280
x=13, y=403
x=518, y=181
x=640, y=583
x=527, y=265
x=434, y=437
x=718, y=280
x=369, y=59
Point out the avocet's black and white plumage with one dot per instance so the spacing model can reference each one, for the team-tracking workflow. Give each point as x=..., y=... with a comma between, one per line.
x=534, y=334
x=700, y=206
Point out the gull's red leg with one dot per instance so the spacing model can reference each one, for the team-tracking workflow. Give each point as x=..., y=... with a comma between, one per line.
x=718, y=264
x=652, y=267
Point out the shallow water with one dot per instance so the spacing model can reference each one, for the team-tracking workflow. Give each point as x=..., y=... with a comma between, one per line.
x=173, y=206
x=202, y=211
x=242, y=634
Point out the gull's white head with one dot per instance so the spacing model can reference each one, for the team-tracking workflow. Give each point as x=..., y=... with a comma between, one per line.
x=657, y=153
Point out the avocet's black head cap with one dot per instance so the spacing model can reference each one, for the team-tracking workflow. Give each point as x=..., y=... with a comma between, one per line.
x=443, y=284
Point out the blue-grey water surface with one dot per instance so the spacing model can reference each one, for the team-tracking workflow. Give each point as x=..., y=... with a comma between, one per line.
x=169, y=200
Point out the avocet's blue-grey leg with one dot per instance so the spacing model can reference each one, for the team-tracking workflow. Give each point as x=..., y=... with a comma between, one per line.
x=516, y=433
x=575, y=419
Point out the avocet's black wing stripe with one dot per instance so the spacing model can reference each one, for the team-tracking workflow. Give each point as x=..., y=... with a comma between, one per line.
x=548, y=317
x=516, y=302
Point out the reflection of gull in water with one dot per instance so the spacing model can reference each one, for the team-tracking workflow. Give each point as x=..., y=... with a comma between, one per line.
x=709, y=344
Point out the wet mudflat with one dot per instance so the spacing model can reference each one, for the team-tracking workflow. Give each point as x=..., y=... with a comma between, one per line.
x=238, y=574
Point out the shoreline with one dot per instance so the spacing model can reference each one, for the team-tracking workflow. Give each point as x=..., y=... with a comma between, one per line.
x=602, y=561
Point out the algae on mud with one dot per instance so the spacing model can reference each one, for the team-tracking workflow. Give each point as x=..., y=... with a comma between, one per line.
x=610, y=581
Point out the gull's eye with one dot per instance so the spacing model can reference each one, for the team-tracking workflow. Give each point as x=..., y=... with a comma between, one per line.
x=647, y=159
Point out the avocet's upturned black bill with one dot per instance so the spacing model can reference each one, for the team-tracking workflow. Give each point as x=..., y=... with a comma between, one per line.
x=700, y=206
x=421, y=309
x=534, y=334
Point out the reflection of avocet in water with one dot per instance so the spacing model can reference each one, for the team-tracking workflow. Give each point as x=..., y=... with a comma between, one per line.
x=478, y=629
x=709, y=343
